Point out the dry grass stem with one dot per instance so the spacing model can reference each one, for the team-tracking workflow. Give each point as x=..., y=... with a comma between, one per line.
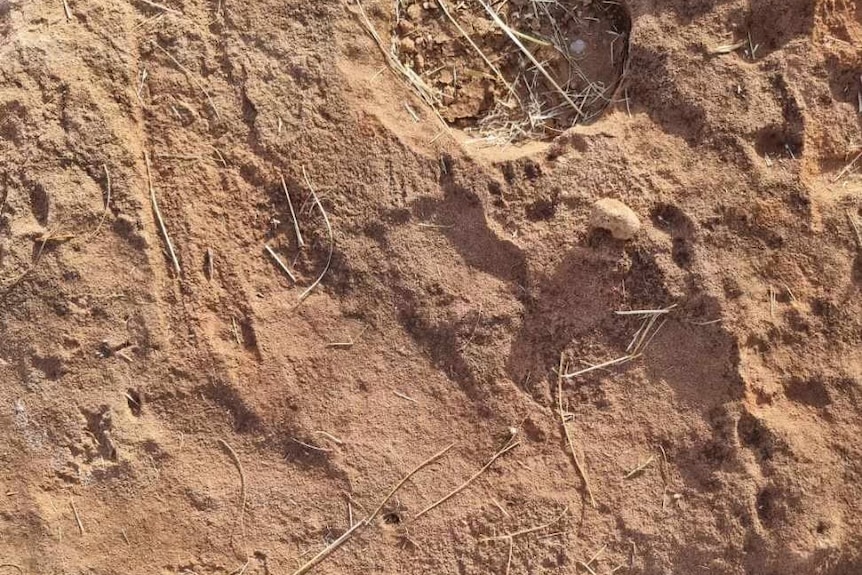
x=158, y=214
x=45, y=239
x=478, y=50
x=299, y=241
x=12, y=566
x=242, y=483
x=192, y=78
x=279, y=262
x=412, y=112
x=639, y=469
x=241, y=569
x=847, y=168
x=597, y=554
x=161, y=7
x=329, y=549
x=404, y=396
x=640, y=341
x=726, y=48
x=579, y=466
x=330, y=437
x=235, y=330
x=603, y=365
x=107, y=205
x=510, y=446
x=310, y=288
x=309, y=446
x=415, y=470
x=210, y=263
x=500, y=507
x=77, y=517
x=430, y=96
x=67, y=10
x=659, y=311
x=527, y=531
x=510, y=33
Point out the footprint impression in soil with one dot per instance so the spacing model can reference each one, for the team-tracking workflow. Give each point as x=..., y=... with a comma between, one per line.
x=514, y=69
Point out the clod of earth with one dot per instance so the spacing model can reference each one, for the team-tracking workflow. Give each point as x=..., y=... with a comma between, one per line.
x=616, y=217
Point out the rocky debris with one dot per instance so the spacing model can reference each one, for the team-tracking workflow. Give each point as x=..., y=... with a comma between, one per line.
x=616, y=217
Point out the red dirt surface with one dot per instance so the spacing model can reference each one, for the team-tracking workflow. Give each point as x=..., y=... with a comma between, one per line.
x=459, y=274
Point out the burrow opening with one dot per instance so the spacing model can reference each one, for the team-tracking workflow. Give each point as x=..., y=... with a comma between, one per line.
x=513, y=70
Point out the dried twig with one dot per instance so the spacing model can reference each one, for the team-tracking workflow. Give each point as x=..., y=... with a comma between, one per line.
x=67, y=10
x=616, y=361
x=312, y=447
x=582, y=470
x=847, y=168
x=279, y=262
x=158, y=6
x=329, y=549
x=305, y=294
x=236, y=460
x=330, y=437
x=428, y=94
x=639, y=468
x=404, y=396
x=510, y=446
x=416, y=469
x=77, y=517
x=478, y=50
x=158, y=214
x=45, y=239
x=526, y=531
x=107, y=206
x=726, y=48
x=512, y=36
x=299, y=241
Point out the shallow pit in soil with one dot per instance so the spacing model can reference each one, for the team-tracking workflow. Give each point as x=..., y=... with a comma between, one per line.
x=500, y=94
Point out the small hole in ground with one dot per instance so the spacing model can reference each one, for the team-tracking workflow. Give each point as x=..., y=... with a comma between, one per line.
x=778, y=141
x=822, y=527
x=133, y=399
x=392, y=518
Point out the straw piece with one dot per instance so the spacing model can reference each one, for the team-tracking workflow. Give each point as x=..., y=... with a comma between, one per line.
x=305, y=294
x=299, y=241
x=464, y=485
x=158, y=214
x=279, y=262
x=416, y=469
x=478, y=50
x=503, y=26
x=329, y=549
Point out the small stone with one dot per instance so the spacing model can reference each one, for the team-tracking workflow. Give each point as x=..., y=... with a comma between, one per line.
x=446, y=76
x=578, y=47
x=418, y=62
x=408, y=46
x=414, y=12
x=5, y=7
x=404, y=26
x=616, y=217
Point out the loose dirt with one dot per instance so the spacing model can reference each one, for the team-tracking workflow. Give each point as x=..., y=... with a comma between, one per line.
x=208, y=421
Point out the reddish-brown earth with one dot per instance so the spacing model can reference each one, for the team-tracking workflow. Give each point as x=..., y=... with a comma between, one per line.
x=459, y=273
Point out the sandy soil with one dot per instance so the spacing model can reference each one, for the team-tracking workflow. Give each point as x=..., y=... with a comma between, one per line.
x=133, y=397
